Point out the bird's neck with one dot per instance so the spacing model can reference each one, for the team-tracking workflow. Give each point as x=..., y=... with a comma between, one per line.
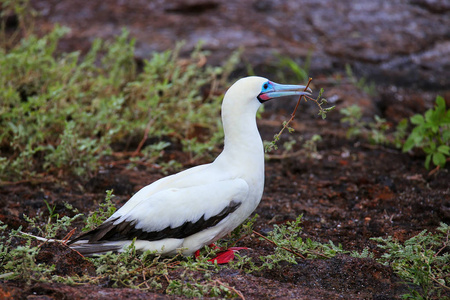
x=243, y=145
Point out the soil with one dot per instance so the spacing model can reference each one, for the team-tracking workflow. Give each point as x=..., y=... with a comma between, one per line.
x=348, y=192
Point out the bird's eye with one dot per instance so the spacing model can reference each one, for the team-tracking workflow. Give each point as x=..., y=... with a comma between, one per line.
x=266, y=86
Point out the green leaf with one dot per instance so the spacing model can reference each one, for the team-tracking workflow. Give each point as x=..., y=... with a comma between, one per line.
x=444, y=149
x=446, y=135
x=440, y=105
x=429, y=117
x=323, y=114
x=446, y=119
x=409, y=144
x=432, y=146
x=439, y=159
x=417, y=119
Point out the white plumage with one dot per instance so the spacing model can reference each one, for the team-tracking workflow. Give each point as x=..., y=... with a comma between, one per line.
x=185, y=211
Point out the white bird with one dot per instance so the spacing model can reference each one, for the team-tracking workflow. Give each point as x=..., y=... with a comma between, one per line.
x=193, y=208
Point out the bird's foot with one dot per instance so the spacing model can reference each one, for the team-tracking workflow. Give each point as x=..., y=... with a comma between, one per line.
x=226, y=256
x=223, y=257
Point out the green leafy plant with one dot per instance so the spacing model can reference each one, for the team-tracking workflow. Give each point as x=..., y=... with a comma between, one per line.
x=423, y=260
x=25, y=13
x=375, y=131
x=352, y=115
x=64, y=112
x=193, y=284
x=54, y=224
x=149, y=271
x=400, y=133
x=174, y=105
x=49, y=111
x=17, y=262
x=432, y=134
x=128, y=269
x=105, y=210
x=310, y=146
x=189, y=287
x=365, y=253
x=378, y=130
x=289, y=246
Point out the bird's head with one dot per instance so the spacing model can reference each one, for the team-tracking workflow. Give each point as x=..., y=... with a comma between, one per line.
x=239, y=107
x=255, y=90
x=270, y=90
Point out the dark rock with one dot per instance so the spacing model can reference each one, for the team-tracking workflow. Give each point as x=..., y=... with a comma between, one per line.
x=403, y=42
x=435, y=6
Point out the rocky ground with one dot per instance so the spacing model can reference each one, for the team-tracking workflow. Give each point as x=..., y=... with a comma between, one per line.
x=400, y=42
x=348, y=192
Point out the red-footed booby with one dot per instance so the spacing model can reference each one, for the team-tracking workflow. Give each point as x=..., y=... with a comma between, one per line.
x=196, y=207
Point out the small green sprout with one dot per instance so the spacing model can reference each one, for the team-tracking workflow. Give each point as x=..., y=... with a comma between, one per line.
x=432, y=134
x=423, y=260
x=105, y=210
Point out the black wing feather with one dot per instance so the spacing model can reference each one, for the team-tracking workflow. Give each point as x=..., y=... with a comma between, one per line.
x=127, y=230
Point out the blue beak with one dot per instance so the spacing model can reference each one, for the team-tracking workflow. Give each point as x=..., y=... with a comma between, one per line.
x=275, y=90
